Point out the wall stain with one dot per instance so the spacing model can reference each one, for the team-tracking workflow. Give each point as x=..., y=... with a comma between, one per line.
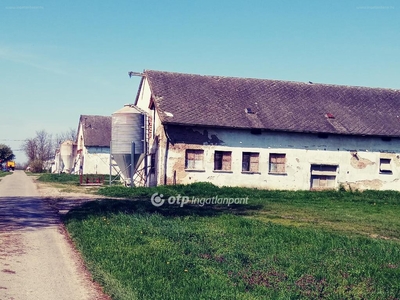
x=374, y=184
x=358, y=162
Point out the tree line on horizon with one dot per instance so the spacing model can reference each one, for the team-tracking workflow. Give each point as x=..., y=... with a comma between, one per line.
x=41, y=148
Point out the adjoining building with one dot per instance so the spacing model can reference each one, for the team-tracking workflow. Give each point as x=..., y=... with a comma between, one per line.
x=93, y=145
x=268, y=133
x=90, y=152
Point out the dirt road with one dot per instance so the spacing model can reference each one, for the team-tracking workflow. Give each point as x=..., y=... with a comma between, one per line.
x=36, y=259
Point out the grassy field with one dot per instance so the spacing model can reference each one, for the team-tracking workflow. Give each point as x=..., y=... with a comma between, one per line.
x=67, y=183
x=281, y=245
x=59, y=178
x=2, y=174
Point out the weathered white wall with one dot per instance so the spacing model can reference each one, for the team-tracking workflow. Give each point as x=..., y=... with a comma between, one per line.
x=302, y=150
x=96, y=160
x=156, y=139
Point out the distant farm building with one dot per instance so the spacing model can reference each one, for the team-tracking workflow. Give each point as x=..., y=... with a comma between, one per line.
x=90, y=153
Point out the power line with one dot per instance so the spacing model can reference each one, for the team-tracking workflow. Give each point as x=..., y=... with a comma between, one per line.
x=12, y=140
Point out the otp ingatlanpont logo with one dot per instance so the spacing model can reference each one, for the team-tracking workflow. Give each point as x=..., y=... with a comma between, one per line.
x=157, y=200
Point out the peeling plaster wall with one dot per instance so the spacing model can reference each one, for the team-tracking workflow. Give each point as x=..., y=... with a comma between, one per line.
x=302, y=150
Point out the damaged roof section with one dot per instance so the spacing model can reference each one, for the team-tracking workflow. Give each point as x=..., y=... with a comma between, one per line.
x=188, y=99
x=96, y=130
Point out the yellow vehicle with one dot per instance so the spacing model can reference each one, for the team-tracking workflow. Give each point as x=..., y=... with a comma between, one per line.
x=10, y=165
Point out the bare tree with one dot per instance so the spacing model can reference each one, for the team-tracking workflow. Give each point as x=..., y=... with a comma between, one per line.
x=30, y=149
x=64, y=136
x=39, y=149
x=42, y=147
x=45, y=145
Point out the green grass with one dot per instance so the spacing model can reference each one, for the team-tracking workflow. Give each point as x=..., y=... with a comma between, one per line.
x=2, y=174
x=281, y=245
x=71, y=179
x=59, y=178
x=373, y=213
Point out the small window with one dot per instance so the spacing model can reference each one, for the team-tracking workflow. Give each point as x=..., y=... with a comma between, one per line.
x=152, y=163
x=323, y=169
x=384, y=166
x=194, y=159
x=250, y=162
x=323, y=176
x=322, y=135
x=150, y=132
x=222, y=160
x=255, y=131
x=277, y=163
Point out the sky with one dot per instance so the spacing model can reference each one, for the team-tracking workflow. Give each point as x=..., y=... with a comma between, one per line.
x=62, y=59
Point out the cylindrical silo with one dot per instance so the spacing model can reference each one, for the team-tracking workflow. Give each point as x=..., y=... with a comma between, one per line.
x=127, y=127
x=67, y=155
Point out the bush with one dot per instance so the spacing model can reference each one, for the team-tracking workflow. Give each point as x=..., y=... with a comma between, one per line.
x=36, y=166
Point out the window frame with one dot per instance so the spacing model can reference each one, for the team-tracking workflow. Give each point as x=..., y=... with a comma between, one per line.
x=275, y=164
x=327, y=173
x=250, y=162
x=385, y=161
x=223, y=161
x=197, y=162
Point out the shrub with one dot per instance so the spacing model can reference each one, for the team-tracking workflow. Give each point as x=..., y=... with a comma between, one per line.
x=36, y=166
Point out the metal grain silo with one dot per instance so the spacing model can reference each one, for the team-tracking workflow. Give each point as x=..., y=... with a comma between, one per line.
x=128, y=139
x=67, y=155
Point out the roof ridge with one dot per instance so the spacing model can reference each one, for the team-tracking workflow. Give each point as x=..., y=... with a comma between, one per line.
x=276, y=80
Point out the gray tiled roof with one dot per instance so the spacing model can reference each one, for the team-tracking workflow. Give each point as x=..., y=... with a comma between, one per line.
x=96, y=130
x=187, y=99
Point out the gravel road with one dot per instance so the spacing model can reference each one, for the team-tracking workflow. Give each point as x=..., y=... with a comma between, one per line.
x=37, y=260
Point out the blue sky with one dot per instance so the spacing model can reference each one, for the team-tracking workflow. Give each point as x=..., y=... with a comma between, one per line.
x=61, y=59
